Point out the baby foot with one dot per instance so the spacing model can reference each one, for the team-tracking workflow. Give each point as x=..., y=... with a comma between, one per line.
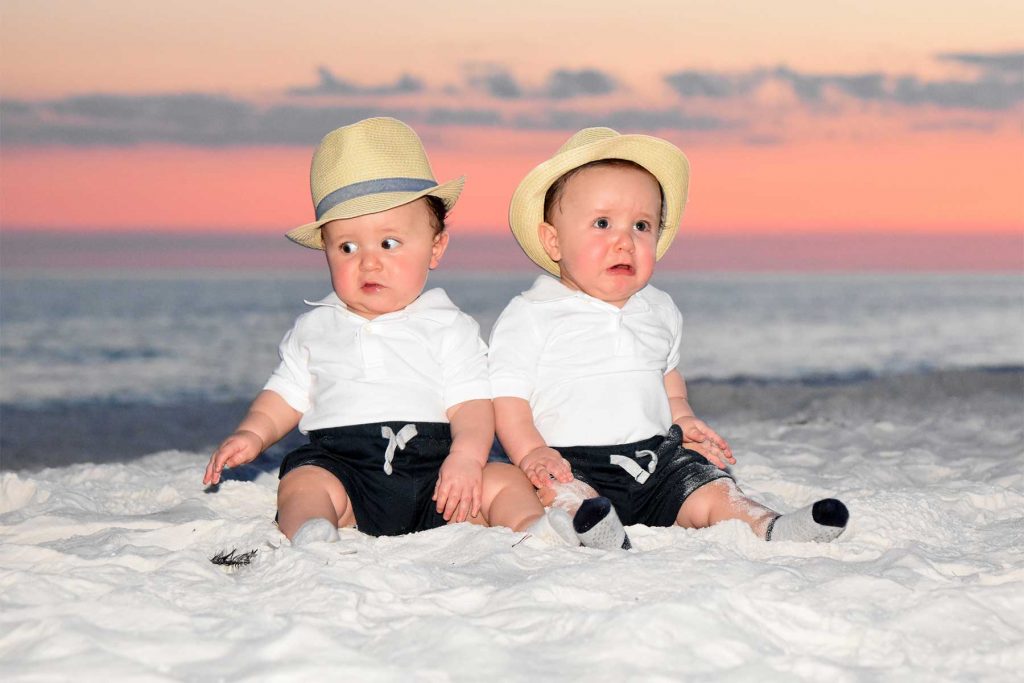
x=554, y=528
x=316, y=530
x=598, y=526
x=820, y=522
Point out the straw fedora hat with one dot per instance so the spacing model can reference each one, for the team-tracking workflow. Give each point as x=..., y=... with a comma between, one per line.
x=367, y=167
x=661, y=158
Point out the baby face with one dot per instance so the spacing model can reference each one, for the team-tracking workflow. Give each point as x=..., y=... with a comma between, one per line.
x=379, y=262
x=604, y=232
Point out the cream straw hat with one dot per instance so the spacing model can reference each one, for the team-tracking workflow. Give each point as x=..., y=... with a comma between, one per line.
x=661, y=158
x=371, y=166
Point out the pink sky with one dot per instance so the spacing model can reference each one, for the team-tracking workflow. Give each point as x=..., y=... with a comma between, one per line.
x=800, y=117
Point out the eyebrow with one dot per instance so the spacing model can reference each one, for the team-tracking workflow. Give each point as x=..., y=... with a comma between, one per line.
x=374, y=233
x=604, y=211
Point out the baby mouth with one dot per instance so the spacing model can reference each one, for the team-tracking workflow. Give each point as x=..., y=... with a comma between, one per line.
x=372, y=287
x=624, y=268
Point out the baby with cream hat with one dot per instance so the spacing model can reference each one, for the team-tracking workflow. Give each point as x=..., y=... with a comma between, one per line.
x=388, y=380
x=583, y=364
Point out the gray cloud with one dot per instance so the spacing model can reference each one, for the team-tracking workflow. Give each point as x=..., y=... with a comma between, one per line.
x=986, y=94
x=710, y=84
x=633, y=120
x=213, y=120
x=1008, y=65
x=998, y=85
x=462, y=117
x=197, y=119
x=332, y=85
x=810, y=87
x=200, y=120
x=561, y=84
x=496, y=82
x=193, y=118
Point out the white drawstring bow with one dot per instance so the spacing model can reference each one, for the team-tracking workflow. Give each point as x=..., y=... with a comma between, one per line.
x=633, y=467
x=398, y=440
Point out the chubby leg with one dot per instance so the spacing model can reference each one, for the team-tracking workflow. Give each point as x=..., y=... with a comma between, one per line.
x=508, y=498
x=310, y=492
x=719, y=500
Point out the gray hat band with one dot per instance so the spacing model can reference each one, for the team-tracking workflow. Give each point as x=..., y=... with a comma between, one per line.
x=376, y=186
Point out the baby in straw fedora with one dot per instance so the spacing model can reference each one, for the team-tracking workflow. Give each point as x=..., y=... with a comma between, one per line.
x=389, y=382
x=583, y=364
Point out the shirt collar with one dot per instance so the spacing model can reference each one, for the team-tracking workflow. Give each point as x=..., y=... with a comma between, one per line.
x=546, y=289
x=433, y=305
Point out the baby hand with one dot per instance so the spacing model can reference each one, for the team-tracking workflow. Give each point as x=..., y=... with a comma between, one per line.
x=457, y=492
x=239, y=448
x=697, y=436
x=542, y=463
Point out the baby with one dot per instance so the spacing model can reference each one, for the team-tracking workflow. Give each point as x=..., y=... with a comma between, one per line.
x=389, y=382
x=583, y=365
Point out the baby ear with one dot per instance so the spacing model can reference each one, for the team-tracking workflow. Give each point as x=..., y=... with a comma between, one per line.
x=549, y=240
x=438, y=248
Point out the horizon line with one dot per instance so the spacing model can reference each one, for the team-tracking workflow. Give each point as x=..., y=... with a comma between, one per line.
x=733, y=252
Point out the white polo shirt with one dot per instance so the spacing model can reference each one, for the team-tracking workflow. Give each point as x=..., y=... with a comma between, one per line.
x=594, y=374
x=338, y=368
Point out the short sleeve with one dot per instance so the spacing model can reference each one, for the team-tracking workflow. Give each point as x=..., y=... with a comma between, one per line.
x=515, y=351
x=292, y=380
x=676, y=327
x=464, y=363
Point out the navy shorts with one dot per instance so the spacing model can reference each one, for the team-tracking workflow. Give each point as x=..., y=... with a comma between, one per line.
x=388, y=469
x=646, y=481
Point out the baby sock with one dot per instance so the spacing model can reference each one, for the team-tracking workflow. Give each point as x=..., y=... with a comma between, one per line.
x=316, y=530
x=820, y=522
x=598, y=526
x=554, y=528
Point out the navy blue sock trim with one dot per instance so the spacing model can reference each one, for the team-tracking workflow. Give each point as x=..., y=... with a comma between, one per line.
x=590, y=513
x=830, y=512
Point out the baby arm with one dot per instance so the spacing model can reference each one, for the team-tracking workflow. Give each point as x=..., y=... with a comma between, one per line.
x=268, y=420
x=459, y=482
x=524, y=445
x=697, y=436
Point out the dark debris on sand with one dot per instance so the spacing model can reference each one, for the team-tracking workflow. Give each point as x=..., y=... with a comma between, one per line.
x=234, y=558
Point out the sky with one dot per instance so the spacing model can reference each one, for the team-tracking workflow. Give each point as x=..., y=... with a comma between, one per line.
x=797, y=117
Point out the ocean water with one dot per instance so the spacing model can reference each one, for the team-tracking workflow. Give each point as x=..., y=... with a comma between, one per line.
x=134, y=363
x=208, y=337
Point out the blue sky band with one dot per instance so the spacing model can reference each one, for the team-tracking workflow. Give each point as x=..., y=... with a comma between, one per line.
x=378, y=186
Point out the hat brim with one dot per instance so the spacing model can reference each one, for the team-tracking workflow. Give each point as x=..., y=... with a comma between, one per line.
x=310, y=235
x=661, y=158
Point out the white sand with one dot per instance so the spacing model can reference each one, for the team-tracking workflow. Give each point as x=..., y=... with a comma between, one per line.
x=105, y=575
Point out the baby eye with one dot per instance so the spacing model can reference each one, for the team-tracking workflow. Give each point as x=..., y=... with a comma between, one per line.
x=602, y=223
x=642, y=226
x=390, y=243
x=349, y=247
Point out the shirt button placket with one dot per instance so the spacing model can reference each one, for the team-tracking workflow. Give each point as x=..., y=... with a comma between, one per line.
x=369, y=338
x=624, y=343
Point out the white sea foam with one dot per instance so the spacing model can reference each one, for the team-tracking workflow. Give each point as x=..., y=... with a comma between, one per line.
x=106, y=575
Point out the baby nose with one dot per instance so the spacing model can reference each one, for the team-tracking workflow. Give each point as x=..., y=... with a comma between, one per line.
x=624, y=241
x=369, y=261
